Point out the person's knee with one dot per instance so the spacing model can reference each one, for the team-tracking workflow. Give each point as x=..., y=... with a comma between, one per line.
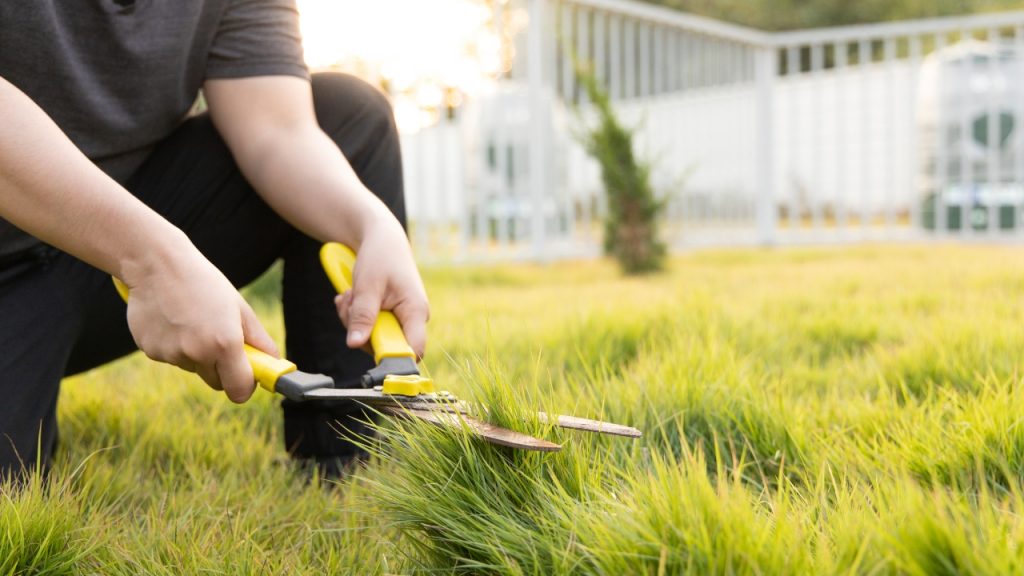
x=344, y=102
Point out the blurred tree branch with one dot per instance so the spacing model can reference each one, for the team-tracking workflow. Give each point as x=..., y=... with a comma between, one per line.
x=792, y=14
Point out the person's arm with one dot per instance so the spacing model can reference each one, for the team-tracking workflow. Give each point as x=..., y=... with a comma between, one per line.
x=182, y=310
x=270, y=126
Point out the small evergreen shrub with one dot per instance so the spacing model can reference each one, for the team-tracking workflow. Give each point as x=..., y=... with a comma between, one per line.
x=631, y=224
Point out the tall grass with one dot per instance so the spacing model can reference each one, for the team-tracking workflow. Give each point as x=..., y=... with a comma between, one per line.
x=41, y=531
x=805, y=411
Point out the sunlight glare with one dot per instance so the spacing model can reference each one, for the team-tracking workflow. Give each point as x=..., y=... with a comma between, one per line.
x=406, y=41
x=429, y=54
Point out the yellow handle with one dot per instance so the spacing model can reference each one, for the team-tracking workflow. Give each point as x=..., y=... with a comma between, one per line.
x=386, y=338
x=265, y=367
x=122, y=288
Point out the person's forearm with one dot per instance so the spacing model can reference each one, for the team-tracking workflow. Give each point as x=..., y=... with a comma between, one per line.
x=181, y=310
x=269, y=123
x=301, y=173
x=49, y=189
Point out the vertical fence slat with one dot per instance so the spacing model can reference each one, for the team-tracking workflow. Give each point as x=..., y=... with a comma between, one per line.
x=536, y=153
x=630, y=64
x=601, y=47
x=690, y=65
x=738, y=64
x=864, y=196
x=446, y=192
x=698, y=61
x=583, y=51
x=615, y=49
x=565, y=44
x=992, y=172
x=721, y=62
x=966, y=163
x=644, y=34
x=421, y=191
x=1017, y=157
x=673, y=61
x=940, y=138
x=914, y=142
x=767, y=70
x=481, y=226
x=701, y=55
x=502, y=198
x=841, y=74
x=606, y=46
x=816, y=186
x=889, y=104
x=658, y=62
x=792, y=128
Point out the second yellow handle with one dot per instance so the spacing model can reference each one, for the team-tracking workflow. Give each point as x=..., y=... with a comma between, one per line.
x=387, y=338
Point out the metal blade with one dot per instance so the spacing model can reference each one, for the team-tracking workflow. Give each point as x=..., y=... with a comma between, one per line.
x=358, y=394
x=596, y=426
x=446, y=407
x=378, y=398
x=489, y=432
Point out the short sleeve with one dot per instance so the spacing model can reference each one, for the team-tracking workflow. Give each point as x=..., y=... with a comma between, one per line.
x=257, y=38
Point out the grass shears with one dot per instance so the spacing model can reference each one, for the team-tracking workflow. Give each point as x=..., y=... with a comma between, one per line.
x=395, y=385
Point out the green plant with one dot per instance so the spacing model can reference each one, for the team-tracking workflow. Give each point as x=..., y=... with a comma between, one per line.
x=631, y=225
x=800, y=416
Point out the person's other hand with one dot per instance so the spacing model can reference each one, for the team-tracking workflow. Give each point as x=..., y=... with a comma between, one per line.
x=385, y=278
x=187, y=313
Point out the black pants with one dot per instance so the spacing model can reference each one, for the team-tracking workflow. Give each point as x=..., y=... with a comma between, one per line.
x=60, y=316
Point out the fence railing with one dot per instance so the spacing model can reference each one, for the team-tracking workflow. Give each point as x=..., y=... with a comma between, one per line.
x=903, y=130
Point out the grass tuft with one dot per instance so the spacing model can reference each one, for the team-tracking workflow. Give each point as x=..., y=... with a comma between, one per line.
x=42, y=527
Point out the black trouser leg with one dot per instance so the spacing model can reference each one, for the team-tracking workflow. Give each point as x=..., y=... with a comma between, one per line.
x=359, y=119
x=39, y=320
x=59, y=316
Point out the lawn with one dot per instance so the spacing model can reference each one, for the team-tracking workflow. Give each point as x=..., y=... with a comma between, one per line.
x=806, y=411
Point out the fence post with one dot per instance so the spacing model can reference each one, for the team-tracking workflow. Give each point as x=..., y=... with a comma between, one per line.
x=766, y=70
x=538, y=162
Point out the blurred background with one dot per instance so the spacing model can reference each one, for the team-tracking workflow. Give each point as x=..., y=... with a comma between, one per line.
x=763, y=122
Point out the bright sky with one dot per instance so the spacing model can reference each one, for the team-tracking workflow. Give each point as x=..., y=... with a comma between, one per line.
x=408, y=41
x=431, y=52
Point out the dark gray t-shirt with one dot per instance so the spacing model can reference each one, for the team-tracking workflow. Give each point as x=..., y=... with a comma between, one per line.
x=119, y=76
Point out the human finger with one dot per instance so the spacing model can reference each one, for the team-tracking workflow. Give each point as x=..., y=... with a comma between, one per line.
x=362, y=315
x=414, y=319
x=236, y=375
x=255, y=334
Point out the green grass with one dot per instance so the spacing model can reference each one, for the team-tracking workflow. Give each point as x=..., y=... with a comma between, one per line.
x=812, y=411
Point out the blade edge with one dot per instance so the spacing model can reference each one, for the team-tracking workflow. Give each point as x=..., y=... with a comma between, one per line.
x=588, y=425
x=488, y=432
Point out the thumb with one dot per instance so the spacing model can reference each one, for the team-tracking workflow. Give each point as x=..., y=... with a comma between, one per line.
x=255, y=334
x=362, y=315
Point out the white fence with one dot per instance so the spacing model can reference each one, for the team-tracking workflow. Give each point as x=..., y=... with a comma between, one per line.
x=905, y=130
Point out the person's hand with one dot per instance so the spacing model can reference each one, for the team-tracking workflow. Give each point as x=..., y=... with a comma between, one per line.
x=185, y=312
x=385, y=278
